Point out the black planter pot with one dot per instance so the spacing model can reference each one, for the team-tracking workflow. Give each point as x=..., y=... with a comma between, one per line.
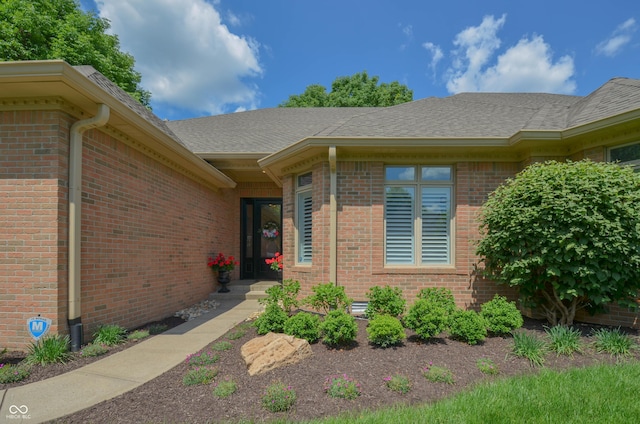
x=223, y=278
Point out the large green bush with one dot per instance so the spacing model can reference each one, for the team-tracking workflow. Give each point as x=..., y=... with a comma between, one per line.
x=338, y=328
x=385, y=331
x=467, y=326
x=385, y=300
x=327, y=297
x=427, y=318
x=567, y=235
x=272, y=320
x=440, y=295
x=502, y=316
x=285, y=295
x=303, y=325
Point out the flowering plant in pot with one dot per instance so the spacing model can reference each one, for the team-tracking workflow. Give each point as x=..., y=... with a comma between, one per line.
x=223, y=265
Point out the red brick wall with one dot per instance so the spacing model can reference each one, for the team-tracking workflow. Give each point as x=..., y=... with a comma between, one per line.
x=147, y=230
x=360, y=233
x=33, y=155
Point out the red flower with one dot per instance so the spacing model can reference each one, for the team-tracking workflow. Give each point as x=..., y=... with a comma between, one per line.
x=275, y=263
x=220, y=263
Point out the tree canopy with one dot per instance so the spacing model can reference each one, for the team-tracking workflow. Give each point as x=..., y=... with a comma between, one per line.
x=358, y=90
x=567, y=235
x=59, y=29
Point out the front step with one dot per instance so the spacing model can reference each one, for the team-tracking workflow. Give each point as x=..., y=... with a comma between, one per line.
x=244, y=290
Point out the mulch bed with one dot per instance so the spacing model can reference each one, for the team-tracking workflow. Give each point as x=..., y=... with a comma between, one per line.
x=165, y=399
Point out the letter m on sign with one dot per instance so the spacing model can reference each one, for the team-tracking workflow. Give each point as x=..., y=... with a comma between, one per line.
x=38, y=326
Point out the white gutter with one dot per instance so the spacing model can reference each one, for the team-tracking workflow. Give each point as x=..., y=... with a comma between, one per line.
x=75, y=218
x=333, y=216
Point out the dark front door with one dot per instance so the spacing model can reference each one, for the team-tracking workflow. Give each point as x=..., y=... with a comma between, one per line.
x=261, y=237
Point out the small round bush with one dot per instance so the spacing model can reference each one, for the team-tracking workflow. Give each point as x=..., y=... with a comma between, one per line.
x=109, y=335
x=502, y=316
x=271, y=320
x=50, y=349
x=385, y=300
x=385, y=331
x=440, y=295
x=303, y=325
x=338, y=328
x=467, y=326
x=427, y=318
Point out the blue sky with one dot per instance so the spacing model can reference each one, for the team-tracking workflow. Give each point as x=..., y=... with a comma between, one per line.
x=205, y=57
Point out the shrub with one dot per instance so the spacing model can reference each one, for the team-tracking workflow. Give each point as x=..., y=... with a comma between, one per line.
x=327, y=297
x=13, y=373
x=529, y=346
x=437, y=374
x=109, y=335
x=279, y=398
x=225, y=388
x=385, y=301
x=221, y=346
x=567, y=235
x=303, y=325
x=93, y=350
x=398, y=383
x=271, y=320
x=202, y=358
x=613, y=341
x=427, y=318
x=338, y=328
x=197, y=376
x=342, y=386
x=284, y=295
x=487, y=366
x=502, y=316
x=564, y=340
x=49, y=350
x=441, y=296
x=385, y=331
x=138, y=334
x=468, y=326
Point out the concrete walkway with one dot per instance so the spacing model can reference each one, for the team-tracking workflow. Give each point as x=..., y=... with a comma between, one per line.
x=123, y=371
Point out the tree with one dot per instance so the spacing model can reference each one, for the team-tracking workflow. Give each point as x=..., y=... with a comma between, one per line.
x=567, y=235
x=357, y=90
x=59, y=29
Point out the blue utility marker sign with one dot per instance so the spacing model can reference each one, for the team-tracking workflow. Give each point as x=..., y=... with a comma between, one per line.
x=38, y=326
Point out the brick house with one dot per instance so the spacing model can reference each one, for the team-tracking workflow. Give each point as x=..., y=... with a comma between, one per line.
x=108, y=214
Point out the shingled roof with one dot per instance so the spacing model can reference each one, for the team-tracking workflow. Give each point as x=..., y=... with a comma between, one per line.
x=465, y=115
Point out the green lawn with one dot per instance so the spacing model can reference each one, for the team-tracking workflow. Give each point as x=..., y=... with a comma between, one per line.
x=598, y=394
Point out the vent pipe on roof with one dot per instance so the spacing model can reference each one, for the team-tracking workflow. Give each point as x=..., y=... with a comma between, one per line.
x=75, y=219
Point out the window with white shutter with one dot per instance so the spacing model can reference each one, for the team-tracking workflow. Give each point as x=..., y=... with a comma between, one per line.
x=417, y=214
x=304, y=218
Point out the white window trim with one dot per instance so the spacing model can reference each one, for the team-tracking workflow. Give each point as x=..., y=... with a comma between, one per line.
x=417, y=185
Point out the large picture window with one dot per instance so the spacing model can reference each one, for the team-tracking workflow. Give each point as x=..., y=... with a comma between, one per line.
x=417, y=214
x=304, y=218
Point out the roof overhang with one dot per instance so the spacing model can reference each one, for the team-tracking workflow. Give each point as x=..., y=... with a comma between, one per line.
x=37, y=85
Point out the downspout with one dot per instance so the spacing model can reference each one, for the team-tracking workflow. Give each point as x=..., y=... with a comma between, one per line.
x=75, y=218
x=333, y=216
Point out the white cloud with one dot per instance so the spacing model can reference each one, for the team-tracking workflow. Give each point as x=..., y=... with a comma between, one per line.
x=407, y=30
x=526, y=67
x=187, y=57
x=436, y=55
x=620, y=37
